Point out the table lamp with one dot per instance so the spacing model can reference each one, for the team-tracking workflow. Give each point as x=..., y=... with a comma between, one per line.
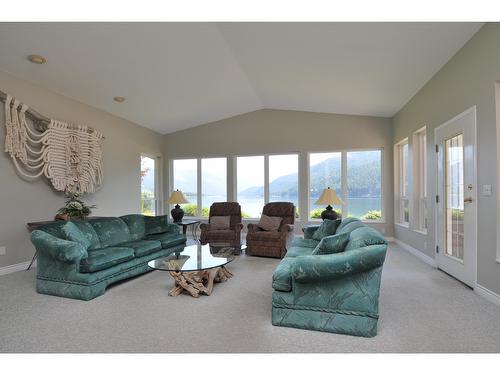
x=177, y=212
x=330, y=198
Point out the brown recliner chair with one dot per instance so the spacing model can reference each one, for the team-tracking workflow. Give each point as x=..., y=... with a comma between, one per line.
x=272, y=244
x=231, y=235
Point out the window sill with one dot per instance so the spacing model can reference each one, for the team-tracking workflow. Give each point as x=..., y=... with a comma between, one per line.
x=406, y=226
x=422, y=232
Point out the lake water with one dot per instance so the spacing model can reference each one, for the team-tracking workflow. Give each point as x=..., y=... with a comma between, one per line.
x=253, y=206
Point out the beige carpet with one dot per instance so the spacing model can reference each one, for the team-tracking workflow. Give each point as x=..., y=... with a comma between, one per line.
x=421, y=309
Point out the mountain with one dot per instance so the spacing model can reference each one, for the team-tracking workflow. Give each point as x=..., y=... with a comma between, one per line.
x=364, y=177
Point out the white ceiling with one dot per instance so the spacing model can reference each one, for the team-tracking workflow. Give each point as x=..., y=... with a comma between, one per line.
x=179, y=75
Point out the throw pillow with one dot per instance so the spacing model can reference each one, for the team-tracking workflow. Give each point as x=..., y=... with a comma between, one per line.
x=270, y=223
x=327, y=228
x=332, y=244
x=220, y=222
x=73, y=233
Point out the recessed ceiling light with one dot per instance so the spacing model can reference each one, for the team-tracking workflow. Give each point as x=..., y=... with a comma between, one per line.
x=37, y=59
x=119, y=99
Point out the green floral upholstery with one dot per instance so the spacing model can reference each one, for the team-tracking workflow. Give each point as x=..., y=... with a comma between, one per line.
x=336, y=292
x=304, y=242
x=156, y=224
x=104, y=258
x=346, y=221
x=142, y=247
x=327, y=228
x=309, y=231
x=111, y=230
x=66, y=268
x=332, y=244
x=136, y=226
x=73, y=233
x=349, y=227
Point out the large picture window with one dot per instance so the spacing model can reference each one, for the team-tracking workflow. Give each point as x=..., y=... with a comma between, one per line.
x=364, y=184
x=250, y=184
x=325, y=170
x=213, y=183
x=420, y=179
x=185, y=179
x=149, y=198
x=284, y=178
x=402, y=213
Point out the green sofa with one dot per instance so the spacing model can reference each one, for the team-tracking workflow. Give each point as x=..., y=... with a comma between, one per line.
x=332, y=293
x=79, y=259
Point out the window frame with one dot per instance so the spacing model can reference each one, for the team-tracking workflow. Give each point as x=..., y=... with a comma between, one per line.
x=157, y=183
x=400, y=174
x=421, y=199
x=343, y=182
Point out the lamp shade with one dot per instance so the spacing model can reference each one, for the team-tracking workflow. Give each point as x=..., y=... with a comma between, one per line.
x=329, y=197
x=177, y=197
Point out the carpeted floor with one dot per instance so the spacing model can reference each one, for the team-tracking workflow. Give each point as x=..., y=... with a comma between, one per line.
x=421, y=310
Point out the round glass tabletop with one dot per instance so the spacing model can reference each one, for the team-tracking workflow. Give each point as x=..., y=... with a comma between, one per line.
x=195, y=258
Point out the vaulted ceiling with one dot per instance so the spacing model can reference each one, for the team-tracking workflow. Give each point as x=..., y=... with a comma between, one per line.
x=179, y=75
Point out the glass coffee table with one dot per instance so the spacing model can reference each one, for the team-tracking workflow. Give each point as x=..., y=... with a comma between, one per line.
x=197, y=268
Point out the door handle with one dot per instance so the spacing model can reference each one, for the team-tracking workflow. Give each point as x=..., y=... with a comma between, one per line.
x=468, y=200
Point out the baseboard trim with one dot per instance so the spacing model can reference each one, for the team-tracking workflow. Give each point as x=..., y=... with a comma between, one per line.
x=417, y=253
x=15, y=268
x=487, y=294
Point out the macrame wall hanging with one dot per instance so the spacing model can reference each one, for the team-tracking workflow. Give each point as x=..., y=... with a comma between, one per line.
x=70, y=156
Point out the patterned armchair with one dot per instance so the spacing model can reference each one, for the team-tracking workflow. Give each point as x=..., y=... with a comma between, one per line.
x=272, y=244
x=231, y=235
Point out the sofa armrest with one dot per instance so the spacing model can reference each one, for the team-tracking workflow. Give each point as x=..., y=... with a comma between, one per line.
x=287, y=228
x=57, y=248
x=238, y=227
x=313, y=268
x=309, y=231
x=174, y=228
x=204, y=227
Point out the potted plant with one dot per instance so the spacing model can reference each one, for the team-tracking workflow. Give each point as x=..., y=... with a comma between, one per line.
x=74, y=208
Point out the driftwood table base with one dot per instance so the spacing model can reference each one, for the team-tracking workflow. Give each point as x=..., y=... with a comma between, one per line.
x=198, y=282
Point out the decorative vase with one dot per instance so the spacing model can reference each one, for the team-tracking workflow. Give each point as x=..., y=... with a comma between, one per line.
x=329, y=213
x=177, y=213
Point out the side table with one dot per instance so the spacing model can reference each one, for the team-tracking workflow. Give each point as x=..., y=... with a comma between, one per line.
x=194, y=224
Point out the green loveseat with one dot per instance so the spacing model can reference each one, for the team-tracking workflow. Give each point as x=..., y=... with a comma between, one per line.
x=332, y=293
x=100, y=252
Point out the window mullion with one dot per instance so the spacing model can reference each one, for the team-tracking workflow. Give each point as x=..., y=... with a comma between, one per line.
x=198, y=187
x=266, y=179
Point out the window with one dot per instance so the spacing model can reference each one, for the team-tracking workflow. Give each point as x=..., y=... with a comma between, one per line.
x=401, y=179
x=356, y=177
x=364, y=184
x=213, y=183
x=185, y=179
x=250, y=185
x=325, y=170
x=420, y=179
x=284, y=178
x=149, y=199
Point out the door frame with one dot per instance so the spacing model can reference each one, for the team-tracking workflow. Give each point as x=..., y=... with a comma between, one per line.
x=473, y=110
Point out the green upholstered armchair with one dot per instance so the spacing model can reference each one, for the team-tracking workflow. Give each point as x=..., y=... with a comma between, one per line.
x=335, y=292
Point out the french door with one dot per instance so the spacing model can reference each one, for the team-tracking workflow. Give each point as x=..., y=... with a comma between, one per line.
x=456, y=208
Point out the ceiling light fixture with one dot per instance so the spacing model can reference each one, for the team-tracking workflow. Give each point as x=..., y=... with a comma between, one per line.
x=37, y=59
x=119, y=99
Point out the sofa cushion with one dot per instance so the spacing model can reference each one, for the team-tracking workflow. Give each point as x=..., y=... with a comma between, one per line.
x=136, y=226
x=351, y=226
x=264, y=236
x=111, y=230
x=304, y=242
x=142, y=247
x=282, y=278
x=346, y=221
x=167, y=239
x=73, y=233
x=269, y=223
x=327, y=228
x=89, y=231
x=295, y=251
x=220, y=222
x=100, y=259
x=364, y=236
x=332, y=244
x=156, y=224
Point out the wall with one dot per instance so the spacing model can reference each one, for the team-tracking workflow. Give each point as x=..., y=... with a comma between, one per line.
x=468, y=79
x=280, y=131
x=22, y=202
